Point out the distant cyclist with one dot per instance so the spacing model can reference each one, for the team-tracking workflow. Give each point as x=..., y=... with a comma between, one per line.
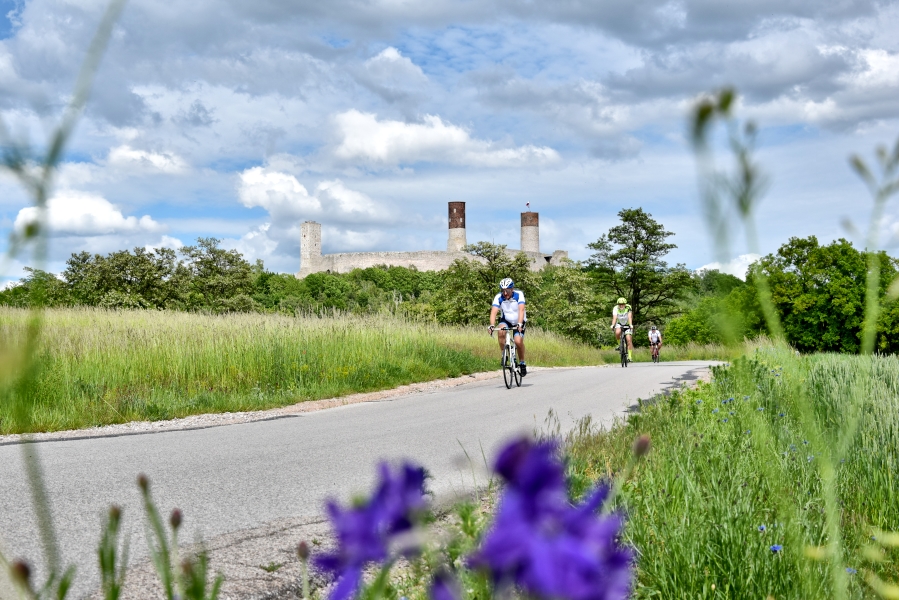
x=623, y=316
x=655, y=340
x=509, y=303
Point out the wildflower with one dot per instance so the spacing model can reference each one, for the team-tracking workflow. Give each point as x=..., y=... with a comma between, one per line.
x=782, y=415
x=745, y=397
x=544, y=545
x=732, y=413
x=444, y=587
x=793, y=447
x=842, y=460
x=714, y=410
x=776, y=548
x=730, y=399
x=761, y=408
x=851, y=571
x=699, y=401
x=805, y=442
x=748, y=431
x=761, y=528
x=810, y=458
x=364, y=532
x=724, y=419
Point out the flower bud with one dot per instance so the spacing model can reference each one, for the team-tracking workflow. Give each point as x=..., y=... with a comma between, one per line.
x=115, y=513
x=303, y=551
x=187, y=567
x=20, y=572
x=143, y=483
x=641, y=445
x=175, y=519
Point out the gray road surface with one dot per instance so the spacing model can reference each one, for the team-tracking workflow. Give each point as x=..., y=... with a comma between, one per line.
x=242, y=476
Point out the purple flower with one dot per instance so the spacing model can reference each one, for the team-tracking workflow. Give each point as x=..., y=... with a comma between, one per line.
x=761, y=528
x=851, y=571
x=776, y=548
x=444, y=587
x=543, y=544
x=364, y=532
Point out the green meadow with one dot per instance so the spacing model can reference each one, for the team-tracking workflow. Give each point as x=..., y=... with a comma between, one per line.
x=100, y=366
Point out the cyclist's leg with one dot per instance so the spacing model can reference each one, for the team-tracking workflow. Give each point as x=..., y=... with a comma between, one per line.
x=519, y=346
x=630, y=344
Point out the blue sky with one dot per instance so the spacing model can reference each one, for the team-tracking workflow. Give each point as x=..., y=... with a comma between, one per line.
x=240, y=119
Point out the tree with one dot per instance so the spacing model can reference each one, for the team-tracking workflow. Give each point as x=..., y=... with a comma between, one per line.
x=628, y=262
x=216, y=275
x=566, y=303
x=470, y=285
x=819, y=292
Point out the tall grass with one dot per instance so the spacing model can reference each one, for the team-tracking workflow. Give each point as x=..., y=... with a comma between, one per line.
x=735, y=471
x=99, y=367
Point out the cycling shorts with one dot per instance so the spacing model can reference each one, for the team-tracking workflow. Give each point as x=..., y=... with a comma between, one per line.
x=512, y=326
x=628, y=332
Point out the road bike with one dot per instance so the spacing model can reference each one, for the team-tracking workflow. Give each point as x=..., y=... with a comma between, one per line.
x=655, y=352
x=510, y=364
x=622, y=345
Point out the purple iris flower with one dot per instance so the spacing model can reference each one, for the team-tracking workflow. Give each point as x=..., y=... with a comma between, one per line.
x=543, y=544
x=444, y=587
x=364, y=532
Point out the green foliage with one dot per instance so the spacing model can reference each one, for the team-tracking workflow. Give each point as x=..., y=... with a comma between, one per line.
x=566, y=303
x=628, y=261
x=721, y=469
x=469, y=285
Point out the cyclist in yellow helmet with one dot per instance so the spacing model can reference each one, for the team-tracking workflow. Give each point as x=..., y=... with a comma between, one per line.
x=623, y=316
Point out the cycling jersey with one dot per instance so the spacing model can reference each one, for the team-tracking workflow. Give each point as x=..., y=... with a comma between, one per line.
x=509, y=308
x=620, y=317
x=655, y=337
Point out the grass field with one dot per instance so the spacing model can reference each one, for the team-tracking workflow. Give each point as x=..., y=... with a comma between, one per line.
x=742, y=465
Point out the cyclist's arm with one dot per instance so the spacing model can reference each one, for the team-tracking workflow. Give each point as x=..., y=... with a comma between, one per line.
x=493, y=311
x=521, y=313
x=630, y=318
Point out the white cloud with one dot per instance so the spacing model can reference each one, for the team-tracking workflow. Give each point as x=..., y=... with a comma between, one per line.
x=390, y=65
x=387, y=142
x=281, y=194
x=86, y=214
x=128, y=157
x=736, y=266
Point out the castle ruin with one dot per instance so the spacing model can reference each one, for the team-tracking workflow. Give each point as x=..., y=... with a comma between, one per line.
x=313, y=261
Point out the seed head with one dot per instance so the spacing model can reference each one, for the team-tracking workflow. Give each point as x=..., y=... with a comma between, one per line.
x=143, y=483
x=115, y=513
x=20, y=572
x=175, y=519
x=641, y=445
x=303, y=551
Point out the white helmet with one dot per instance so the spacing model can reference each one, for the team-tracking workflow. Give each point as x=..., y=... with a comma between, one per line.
x=506, y=283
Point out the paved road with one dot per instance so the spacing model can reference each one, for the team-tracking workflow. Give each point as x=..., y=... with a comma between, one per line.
x=242, y=476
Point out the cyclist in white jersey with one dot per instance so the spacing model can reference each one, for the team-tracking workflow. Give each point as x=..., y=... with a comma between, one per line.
x=509, y=303
x=622, y=315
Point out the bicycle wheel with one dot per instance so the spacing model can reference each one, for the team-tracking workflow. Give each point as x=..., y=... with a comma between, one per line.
x=622, y=350
x=507, y=369
x=516, y=370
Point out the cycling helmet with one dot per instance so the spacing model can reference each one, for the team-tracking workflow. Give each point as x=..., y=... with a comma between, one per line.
x=506, y=283
x=653, y=327
x=622, y=301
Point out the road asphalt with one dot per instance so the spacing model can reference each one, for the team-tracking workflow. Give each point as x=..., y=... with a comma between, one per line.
x=241, y=477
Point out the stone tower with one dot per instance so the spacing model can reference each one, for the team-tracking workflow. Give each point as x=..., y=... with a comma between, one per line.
x=456, y=239
x=310, y=244
x=530, y=231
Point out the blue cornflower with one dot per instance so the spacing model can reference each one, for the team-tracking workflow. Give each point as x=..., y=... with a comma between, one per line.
x=793, y=447
x=364, y=532
x=748, y=431
x=730, y=399
x=714, y=410
x=745, y=397
x=545, y=546
x=842, y=460
x=761, y=528
x=851, y=571
x=805, y=442
x=776, y=548
x=699, y=401
x=724, y=419
x=732, y=413
x=761, y=408
x=782, y=415
x=810, y=458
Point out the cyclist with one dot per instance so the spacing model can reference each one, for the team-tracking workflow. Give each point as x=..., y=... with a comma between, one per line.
x=509, y=303
x=655, y=340
x=622, y=315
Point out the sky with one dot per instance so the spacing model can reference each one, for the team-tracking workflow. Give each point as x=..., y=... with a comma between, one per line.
x=240, y=119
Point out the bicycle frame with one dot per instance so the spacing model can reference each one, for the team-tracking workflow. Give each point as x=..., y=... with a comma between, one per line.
x=511, y=370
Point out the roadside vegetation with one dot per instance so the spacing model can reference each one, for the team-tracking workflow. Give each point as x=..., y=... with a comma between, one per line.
x=732, y=503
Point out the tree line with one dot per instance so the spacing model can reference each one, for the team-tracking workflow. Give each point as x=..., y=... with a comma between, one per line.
x=818, y=290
